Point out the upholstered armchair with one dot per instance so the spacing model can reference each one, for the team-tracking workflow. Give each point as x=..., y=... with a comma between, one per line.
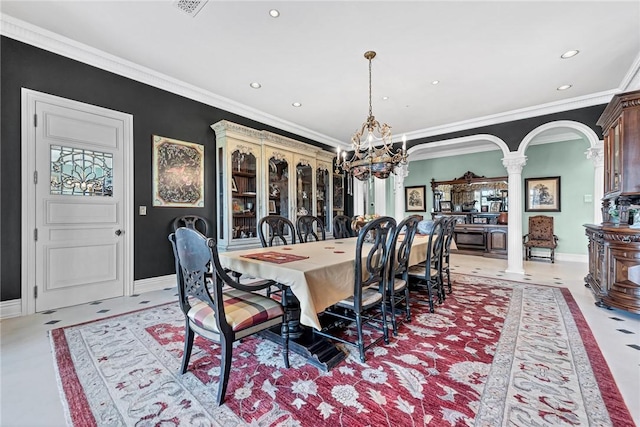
x=540, y=236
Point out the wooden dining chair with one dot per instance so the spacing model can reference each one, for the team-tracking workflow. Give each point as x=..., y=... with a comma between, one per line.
x=222, y=316
x=276, y=230
x=446, y=252
x=429, y=273
x=398, y=283
x=342, y=227
x=310, y=228
x=368, y=303
x=194, y=222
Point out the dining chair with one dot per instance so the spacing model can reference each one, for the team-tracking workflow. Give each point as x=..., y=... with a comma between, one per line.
x=308, y=228
x=215, y=306
x=194, y=222
x=449, y=235
x=429, y=273
x=342, y=227
x=275, y=230
x=371, y=275
x=398, y=283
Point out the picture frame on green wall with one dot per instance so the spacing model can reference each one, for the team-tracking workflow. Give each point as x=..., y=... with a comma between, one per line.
x=414, y=198
x=542, y=194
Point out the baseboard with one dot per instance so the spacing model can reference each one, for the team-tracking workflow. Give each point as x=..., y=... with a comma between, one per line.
x=10, y=308
x=562, y=256
x=154, y=284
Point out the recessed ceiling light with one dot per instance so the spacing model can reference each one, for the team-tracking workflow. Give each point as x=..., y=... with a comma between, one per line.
x=564, y=87
x=435, y=82
x=255, y=85
x=297, y=104
x=274, y=13
x=569, y=54
x=385, y=98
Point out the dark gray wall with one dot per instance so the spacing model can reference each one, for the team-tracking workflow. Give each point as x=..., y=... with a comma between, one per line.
x=154, y=112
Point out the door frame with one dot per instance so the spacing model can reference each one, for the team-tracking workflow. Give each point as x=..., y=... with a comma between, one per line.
x=28, y=204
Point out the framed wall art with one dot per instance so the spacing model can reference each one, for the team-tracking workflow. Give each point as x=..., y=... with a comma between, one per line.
x=414, y=198
x=445, y=206
x=542, y=194
x=178, y=173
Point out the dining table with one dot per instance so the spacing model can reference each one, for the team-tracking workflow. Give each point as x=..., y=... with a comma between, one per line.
x=314, y=276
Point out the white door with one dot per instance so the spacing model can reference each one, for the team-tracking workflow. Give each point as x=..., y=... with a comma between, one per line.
x=79, y=202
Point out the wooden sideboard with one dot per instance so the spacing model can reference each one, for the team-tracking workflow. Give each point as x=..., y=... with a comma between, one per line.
x=614, y=266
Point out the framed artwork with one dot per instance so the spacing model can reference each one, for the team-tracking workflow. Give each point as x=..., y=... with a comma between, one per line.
x=495, y=206
x=272, y=206
x=484, y=208
x=542, y=194
x=414, y=198
x=234, y=186
x=178, y=173
x=445, y=206
x=237, y=206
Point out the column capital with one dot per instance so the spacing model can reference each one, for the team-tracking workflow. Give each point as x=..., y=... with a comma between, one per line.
x=401, y=172
x=596, y=154
x=514, y=164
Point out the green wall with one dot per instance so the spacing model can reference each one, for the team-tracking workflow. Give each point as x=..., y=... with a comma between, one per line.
x=564, y=159
x=568, y=161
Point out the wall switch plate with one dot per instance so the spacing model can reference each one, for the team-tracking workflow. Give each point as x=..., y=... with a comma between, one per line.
x=588, y=198
x=143, y=210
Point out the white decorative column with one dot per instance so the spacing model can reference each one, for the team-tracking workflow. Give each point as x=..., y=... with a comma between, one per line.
x=380, y=196
x=402, y=171
x=596, y=154
x=514, y=163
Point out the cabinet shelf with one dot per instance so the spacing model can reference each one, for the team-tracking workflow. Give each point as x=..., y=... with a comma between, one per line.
x=244, y=174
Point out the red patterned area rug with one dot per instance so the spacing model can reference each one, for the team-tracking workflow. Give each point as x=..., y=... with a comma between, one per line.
x=495, y=353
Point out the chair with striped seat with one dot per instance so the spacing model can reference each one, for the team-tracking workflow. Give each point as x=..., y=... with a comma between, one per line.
x=222, y=316
x=368, y=303
x=429, y=273
x=398, y=283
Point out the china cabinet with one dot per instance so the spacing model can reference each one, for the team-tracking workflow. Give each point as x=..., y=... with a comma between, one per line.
x=479, y=205
x=261, y=173
x=614, y=246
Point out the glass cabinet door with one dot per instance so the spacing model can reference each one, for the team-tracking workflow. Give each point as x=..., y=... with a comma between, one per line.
x=243, y=195
x=304, y=189
x=278, y=187
x=322, y=197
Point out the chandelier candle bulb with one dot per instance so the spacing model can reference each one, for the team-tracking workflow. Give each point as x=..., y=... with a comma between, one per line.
x=404, y=144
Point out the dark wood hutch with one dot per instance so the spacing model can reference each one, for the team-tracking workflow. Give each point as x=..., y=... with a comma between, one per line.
x=614, y=246
x=479, y=205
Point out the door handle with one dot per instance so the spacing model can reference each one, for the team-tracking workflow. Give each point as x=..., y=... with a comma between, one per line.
x=119, y=232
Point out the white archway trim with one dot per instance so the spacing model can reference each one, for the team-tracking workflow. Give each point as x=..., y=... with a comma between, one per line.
x=580, y=128
x=456, y=146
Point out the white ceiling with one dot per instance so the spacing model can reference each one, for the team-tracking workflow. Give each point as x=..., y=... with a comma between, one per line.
x=495, y=61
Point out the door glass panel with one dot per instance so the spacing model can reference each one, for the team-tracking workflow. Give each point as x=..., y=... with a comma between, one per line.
x=322, y=193
x=243, y=194
x=304, y=188
x=79, y=172
x=278, y=187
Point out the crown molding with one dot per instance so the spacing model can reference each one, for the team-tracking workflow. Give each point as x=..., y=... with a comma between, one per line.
x=47, y=40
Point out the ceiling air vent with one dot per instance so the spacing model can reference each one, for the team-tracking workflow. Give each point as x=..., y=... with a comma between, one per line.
x=190, y=7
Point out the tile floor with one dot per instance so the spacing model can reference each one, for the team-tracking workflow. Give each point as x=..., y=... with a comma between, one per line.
x=29, y=392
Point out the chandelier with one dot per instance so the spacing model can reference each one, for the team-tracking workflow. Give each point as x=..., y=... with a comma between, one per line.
x=369, y=157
